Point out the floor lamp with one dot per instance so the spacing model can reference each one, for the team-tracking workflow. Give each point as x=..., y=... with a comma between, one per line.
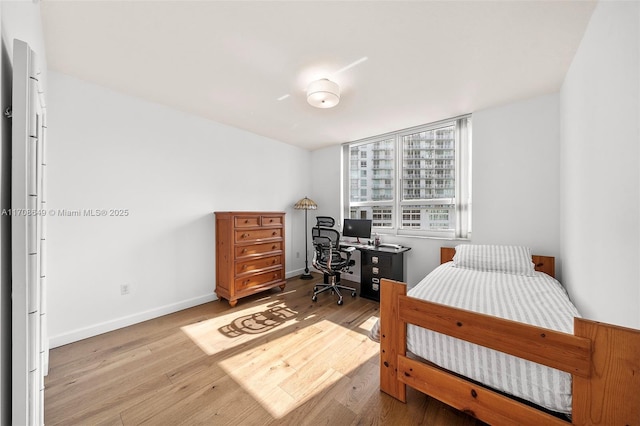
x=306, y=204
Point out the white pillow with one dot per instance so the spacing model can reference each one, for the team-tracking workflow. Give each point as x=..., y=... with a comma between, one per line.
x=508, y=259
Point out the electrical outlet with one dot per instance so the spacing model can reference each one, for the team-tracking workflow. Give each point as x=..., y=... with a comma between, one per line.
x=124, y=289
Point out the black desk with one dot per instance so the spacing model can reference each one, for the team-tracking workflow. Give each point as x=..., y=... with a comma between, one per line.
x=377, y=263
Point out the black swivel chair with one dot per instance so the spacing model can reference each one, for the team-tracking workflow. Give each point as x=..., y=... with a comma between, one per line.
x=328, y=258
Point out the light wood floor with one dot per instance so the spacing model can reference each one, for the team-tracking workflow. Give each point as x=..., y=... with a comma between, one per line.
x=276, y=358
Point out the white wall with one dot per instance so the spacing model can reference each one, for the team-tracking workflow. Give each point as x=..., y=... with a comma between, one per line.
x=516, y=167
x=21, y=20
x=515, y=189
x=326, y=183
x=171, y=171
x=600, y=156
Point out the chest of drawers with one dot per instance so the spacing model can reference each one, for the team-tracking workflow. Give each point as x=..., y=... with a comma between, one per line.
x=250, y=253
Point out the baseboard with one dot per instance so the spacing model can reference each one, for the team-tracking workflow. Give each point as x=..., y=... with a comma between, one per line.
x=293, y=273
x=104, y=327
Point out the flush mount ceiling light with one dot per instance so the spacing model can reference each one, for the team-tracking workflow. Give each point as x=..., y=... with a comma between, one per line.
x=323, y=93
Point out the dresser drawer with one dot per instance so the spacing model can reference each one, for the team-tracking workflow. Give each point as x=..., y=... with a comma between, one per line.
x=258, y=280
x=248, y=235
x=257, y=249
x=246, y=221
x=257, y=264
x=272, y=220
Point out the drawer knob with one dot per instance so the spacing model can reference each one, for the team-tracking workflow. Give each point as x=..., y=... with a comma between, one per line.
x=244, y=250
x=244, y=266
x=274, y=246
x=244, y=235
x=246, y=221
x=274, y=233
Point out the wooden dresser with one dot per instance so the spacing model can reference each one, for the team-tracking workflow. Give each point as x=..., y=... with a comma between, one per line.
x=249, y=253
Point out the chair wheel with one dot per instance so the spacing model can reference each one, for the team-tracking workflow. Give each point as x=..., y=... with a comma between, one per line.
x=315, y=288
x=314, y=298
x=339, y=302
x=353, y=294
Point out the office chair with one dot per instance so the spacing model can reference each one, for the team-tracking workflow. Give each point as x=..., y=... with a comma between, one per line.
x=327, y=258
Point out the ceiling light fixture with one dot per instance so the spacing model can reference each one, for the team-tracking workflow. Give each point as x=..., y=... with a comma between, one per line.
x=323, y=93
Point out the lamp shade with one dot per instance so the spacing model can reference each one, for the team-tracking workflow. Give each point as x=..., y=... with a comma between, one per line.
x=323, y=93
x=305, y=204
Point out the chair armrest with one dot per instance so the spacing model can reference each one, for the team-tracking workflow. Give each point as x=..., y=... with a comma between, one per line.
x=348, y=249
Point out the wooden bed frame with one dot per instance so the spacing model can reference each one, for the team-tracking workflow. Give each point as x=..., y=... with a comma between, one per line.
x=603, y=359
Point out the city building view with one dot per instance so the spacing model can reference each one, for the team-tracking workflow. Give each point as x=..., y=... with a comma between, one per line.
x=427, y=180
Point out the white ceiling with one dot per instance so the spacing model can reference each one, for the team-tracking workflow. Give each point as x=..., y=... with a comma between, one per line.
x=231, y=61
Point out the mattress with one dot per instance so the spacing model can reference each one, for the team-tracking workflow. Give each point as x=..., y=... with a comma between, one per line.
x=539, y=300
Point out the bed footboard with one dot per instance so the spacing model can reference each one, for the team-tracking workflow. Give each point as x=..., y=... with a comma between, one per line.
x=603, y=359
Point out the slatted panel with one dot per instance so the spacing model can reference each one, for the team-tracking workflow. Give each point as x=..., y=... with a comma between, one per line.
x=20, y=382
x=29, y=337
x=42, y=221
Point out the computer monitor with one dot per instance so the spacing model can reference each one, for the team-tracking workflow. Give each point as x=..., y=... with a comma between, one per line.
x=359, y=228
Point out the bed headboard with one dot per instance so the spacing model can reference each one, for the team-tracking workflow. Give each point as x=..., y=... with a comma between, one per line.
x=546, y=264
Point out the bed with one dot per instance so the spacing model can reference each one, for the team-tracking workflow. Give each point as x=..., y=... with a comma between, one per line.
x=594, y=367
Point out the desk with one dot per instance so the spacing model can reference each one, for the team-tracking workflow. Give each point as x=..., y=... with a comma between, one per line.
x=377, y=263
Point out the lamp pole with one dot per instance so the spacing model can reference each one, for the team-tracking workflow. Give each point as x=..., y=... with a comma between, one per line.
x=307, y=275
x=306, y=204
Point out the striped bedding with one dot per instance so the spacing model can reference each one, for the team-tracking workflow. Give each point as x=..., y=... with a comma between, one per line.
x=538, y=300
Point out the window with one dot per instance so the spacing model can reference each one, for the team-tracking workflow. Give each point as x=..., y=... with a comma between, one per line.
x=417, y=183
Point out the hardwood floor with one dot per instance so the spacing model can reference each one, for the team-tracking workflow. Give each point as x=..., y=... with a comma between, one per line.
x=277, y=358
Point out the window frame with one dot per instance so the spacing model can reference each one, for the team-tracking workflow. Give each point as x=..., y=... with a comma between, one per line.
x=461, y=200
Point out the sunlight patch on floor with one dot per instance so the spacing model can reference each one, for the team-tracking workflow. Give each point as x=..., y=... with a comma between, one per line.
x=285, y=373
x=239, y=326
x=366, y=326
x=283, y=357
